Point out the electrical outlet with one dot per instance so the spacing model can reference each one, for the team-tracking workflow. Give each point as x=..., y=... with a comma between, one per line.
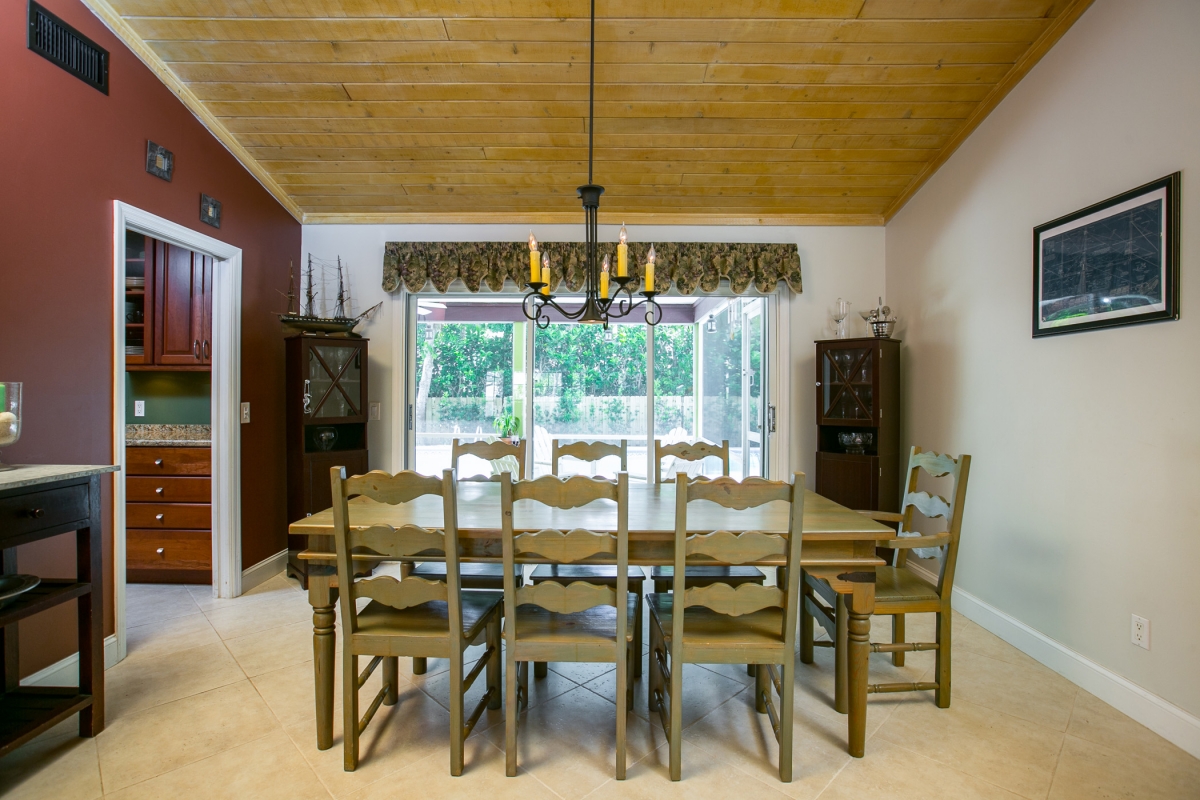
x=1139, y=632
x=373, y=410
x=139, y=408
x=245, y=413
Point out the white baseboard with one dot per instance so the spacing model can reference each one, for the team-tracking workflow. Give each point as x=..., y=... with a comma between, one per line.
x=264, y=570
x=1168, y=720
x=66, y=672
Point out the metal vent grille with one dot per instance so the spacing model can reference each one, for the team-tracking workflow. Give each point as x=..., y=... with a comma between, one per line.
x=58, y=42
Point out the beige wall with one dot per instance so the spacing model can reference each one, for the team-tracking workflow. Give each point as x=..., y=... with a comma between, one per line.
x=1084, y=504
x=835, y=261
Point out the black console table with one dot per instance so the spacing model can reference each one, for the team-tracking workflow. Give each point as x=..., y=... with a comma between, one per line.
x=37, y=502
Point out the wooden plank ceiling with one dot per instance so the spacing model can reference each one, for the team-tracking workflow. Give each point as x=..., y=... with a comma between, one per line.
x=775, y=111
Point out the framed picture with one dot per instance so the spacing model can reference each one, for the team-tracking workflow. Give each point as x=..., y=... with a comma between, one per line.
x=160, y=161
x=210, y=211
x=1114, y=263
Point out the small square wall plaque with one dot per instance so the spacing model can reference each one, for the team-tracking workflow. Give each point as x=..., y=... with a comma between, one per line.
x=160, y=161
x=210, y=211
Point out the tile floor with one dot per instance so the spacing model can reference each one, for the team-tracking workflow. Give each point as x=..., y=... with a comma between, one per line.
x=215, y=700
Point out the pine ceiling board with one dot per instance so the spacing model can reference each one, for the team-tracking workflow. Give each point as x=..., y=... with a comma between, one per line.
x=742, y=30
x=732, y=217
x=451, y=52
x=471, y=108
x=750, y=110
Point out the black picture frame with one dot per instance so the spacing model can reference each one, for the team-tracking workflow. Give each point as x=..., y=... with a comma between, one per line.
x=160, y=162
x=210, y=211
x=1132, y=241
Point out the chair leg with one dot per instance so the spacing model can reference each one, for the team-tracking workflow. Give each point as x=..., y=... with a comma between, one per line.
x=622, y=701
x=676, y=719
x=942, y=666
x=456, y=714
x=420, y=665
x=493, y=666
x=786, y=706
x=898, y=637
x=510, y=713
x=349, y=710
x=391, y=676
x=841, y=658
x=540, y=669
x=806, y=622
x=762, y=685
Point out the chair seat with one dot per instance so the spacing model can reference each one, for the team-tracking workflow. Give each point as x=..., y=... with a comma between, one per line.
x=703, y=576
x=595, y=626
x=430, y=619
x=472, y=576
x=604, y=575
x=707, y=631
x=897, y=584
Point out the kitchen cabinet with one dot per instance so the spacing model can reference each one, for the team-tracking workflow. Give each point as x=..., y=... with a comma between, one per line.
x=168, y=304
x=168, y=515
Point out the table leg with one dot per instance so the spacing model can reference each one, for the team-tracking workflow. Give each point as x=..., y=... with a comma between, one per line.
x=320, y=597
x=859, y=607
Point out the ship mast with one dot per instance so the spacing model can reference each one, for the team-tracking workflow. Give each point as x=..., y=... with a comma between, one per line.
x=309, y=295
x=291, y=293
x=339, y=311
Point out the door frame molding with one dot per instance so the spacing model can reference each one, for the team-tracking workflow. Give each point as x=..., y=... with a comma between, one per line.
x=226, y=397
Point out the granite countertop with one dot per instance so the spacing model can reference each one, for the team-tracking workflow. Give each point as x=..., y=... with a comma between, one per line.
x=33, y=474
x=168, y=436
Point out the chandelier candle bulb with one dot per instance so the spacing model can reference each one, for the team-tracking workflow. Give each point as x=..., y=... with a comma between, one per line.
x=622, y=254
x=534, y=259
x=604, y=279
x=546, y=274
x=650, y=257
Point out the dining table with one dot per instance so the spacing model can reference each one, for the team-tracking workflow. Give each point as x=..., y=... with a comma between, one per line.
x=839, y=546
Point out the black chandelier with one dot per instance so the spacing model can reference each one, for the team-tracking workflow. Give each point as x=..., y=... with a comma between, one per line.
x=597, y=306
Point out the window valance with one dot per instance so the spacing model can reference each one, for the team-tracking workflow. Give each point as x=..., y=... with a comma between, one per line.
x=686, y=265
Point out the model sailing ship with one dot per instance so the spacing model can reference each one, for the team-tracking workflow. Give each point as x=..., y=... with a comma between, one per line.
x=308, y=321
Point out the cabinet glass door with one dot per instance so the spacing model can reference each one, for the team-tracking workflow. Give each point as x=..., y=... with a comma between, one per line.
x=847, y=384
x=334, y=381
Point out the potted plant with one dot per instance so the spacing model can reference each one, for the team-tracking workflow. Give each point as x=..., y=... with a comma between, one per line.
x=508, y=427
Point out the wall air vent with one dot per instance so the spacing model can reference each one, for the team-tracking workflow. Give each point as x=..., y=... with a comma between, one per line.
x=57, y=41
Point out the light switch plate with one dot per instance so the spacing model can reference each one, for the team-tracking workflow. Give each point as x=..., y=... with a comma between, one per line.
x=373, y=411
x=139, y=408
x=245, y=413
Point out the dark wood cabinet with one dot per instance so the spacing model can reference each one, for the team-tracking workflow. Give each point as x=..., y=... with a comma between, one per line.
x=858, y=422
x=168, y=304
x=326, y=419
x=168, y=515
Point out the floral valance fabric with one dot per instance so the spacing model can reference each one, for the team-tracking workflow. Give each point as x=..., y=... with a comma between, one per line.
x=686, y=265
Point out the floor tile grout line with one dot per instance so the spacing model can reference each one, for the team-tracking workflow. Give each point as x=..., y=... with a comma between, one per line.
x=213, y=754
x=953, y=768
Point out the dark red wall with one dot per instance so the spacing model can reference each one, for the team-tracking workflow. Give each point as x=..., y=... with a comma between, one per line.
x=68, y=152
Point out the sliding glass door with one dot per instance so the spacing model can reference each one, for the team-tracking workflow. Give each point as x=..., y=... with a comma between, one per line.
x=472, y=359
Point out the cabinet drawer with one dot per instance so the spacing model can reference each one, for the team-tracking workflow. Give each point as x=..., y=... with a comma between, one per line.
x=40, y=510
x=193, y=516
x=168, y=550
x=168, y=461
x=168, y=490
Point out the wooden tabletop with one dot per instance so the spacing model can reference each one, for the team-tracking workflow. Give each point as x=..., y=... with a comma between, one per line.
x=651, y=515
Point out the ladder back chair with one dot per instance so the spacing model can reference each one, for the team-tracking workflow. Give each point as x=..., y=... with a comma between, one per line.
x=489, y=451
x=588, y=451
x=899, y=590
x=722, y=624
x=593, y=573
x=664, y=577
x=411, y=616
x=579, y=621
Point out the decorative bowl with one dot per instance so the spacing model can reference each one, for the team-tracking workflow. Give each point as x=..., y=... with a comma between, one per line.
x=326, y=438
x=883, y=328
x=13, y=586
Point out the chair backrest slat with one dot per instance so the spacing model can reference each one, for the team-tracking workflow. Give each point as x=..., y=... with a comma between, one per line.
x=588, y=451
x=568, y=547
x=735, y=601
x=490, y=451
x=736, y=548
x=932, y=506
x=401, y=594
x=395, y=543
x=567, y=598
x=578, y=490
x=689, y=451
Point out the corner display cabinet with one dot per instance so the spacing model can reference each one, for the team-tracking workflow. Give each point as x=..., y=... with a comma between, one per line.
x=858, y=422
x=326, y=425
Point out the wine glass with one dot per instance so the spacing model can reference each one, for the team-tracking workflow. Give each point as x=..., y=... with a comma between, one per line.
x=839, y=317
x=10, y=415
